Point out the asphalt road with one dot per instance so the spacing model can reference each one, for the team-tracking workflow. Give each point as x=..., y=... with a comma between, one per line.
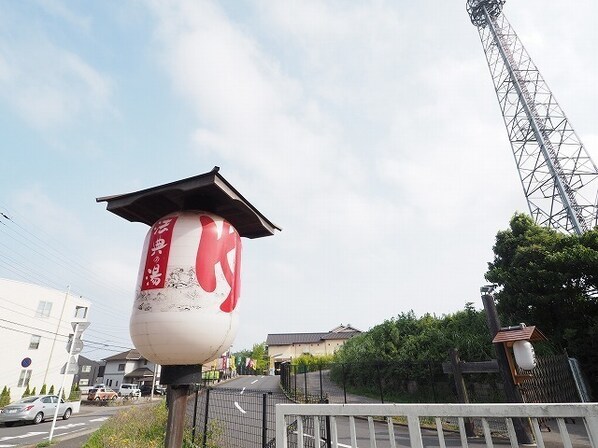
x=88, y=420
x=236, y=410
x=258, y=383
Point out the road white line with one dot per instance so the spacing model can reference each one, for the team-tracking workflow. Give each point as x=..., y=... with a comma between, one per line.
x=242, y=390
x=70, y=425
x=6, y=446
x=22, y=436
x=101, y=419
x=69, y=432
x=240, y=408
x=253, y=382
x=309, y=436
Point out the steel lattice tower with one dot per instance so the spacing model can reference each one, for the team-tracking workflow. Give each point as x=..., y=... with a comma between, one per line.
x=559, y=179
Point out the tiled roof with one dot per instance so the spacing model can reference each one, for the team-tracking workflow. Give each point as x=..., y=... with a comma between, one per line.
x=141, y=372
x=519, y=334
x=129, y=354
x=340, y=335
x=294, y=338
x=342, y=332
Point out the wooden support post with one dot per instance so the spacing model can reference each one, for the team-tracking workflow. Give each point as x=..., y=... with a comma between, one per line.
x=462, y=395
x=177, y=409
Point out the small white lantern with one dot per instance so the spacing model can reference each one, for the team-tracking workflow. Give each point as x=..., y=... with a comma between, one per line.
x=525, y=356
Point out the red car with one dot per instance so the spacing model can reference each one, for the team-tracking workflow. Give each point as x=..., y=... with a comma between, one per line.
x=101, y=393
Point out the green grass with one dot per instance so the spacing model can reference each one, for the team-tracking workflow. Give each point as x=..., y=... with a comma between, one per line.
x=142, y=427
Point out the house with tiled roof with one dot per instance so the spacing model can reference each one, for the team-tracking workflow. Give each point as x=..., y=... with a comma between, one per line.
x=129, y=367
x=287, y=346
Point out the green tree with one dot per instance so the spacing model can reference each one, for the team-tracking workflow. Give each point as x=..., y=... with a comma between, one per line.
x=33, y=391
x=27, y=392
x=258, y=353
x=5, y=397
x=43, y=390
x=408, y=338
x=51, y=392
x=550, y=279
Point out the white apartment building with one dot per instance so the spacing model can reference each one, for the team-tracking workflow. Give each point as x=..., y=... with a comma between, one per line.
x=35, y=325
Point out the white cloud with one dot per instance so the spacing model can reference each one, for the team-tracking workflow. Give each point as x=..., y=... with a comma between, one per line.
x=51, y=87
x=59, y=9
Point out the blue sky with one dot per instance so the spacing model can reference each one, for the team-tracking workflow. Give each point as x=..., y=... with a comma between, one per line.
x=369, y=131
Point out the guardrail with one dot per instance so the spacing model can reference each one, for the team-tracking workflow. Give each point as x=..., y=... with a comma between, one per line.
x=341, y=425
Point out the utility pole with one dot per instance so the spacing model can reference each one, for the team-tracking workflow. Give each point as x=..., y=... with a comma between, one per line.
x=66, y=298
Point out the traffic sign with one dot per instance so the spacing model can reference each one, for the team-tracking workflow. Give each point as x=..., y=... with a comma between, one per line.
x=70, y=368
x=77, y=346
x=78, y=328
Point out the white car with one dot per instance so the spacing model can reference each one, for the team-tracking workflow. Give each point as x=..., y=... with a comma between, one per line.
x=129, y=390
x=35, y=408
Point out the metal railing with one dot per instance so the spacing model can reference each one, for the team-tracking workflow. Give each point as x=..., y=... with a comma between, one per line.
x=419, y=425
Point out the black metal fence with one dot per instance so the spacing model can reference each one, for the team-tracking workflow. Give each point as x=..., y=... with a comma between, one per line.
x=382, y=382
x=552, y=381
x=422, y=382
x=232, y=418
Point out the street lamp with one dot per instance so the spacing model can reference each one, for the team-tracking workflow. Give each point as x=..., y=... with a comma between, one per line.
x=184, y=312
x=518, y=340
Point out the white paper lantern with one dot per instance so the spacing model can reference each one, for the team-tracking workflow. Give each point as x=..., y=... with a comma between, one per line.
x=187, y=289
x=525, y=356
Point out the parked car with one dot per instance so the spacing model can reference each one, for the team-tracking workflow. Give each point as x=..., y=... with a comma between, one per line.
x=35, y=409
x=101, y=393
x=146, y=389
x=129, y=390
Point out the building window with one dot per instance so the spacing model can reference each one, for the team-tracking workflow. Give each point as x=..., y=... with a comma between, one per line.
x=110, y=383
x=121, y=367
x=43, y=309
x=85, y=369
x=81, y=312
x=34, y=342
x=24, y=378
x=83, y=382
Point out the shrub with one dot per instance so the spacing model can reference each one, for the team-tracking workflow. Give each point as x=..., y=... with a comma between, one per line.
x=43, y=390
x=312, y=363
x=75, y=394
x=51, y=392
